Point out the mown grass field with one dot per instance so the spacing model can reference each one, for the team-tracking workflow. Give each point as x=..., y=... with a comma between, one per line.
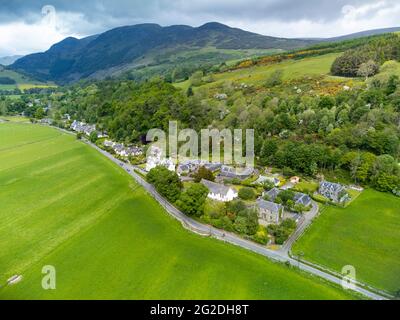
x=64, y=204
x=366, y=235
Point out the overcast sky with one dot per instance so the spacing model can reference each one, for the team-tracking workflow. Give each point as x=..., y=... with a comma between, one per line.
x=28, y=26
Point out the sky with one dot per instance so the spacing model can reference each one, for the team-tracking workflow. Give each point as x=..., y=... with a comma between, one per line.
x=28, y=26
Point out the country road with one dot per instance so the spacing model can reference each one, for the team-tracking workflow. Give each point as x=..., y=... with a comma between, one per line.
x=205, y=230
x=308, y=219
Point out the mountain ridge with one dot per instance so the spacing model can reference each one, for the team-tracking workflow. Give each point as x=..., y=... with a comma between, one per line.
x=73, y=59
x=141, y=45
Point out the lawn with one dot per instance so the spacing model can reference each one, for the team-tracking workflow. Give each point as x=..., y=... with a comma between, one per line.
x=307, y=186
x=366, y=235
x=64, y=204
x=15, y=118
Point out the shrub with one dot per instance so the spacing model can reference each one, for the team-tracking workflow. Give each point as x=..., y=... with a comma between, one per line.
x=203, y=173
x=166, y=182
x=247, y=194
x=193, y=199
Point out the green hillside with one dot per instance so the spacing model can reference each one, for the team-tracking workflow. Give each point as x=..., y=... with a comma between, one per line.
x=20, y=81
x=291, y=70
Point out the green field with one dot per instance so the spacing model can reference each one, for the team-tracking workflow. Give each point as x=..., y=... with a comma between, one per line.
x=15, y=119
x=366, y=235
x=64, y=204
x=22, y=82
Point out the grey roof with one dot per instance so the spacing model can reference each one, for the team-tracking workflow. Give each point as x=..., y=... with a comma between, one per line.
x=216, y=188
x=273, y=193
x=232, y=172
x=184, y=167
x=301, y=198
x=268, y=205
x=213, y=166
x=332, y=187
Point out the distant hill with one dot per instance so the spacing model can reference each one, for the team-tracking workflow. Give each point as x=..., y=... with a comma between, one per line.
x=140, y=45
x=362, y=34
x=6, y=61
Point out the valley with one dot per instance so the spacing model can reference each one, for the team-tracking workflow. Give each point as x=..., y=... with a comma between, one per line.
x=84, y=190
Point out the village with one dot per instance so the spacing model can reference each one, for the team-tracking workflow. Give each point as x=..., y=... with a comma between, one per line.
x=278, y=200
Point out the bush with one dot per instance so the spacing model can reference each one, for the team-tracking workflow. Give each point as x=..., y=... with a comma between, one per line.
x=274, y=79
x=93, y=137
x=214, y=209
x=283, y=231
x=203, y=173
x=166, y=182
x=247, y=194
x=261, y=236
x=193, y=199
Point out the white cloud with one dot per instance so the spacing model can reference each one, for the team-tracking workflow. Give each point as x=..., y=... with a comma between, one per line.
x=283, y=18
x=382, y=14
x=20, y=37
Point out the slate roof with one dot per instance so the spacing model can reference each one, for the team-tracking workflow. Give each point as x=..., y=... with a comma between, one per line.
x=273, y=193
x=213, y=166
x=232, y=172
x=216, y=188
x=301, y=198
x=268, y=205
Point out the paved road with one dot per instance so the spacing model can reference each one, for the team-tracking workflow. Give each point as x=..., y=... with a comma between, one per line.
x=205, y=230
x=305, y=222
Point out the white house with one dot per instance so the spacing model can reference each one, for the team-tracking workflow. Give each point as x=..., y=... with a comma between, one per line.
x=263, y=179
x=219, y=192
x=83, y=127
x=155, y=159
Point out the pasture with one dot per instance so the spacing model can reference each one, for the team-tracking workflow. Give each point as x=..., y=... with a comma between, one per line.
x=292, y=69
x=64, y=204
x=366, y=235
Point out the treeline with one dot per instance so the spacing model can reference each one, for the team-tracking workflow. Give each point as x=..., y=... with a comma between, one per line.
x=377, y=50
x=128, y=110
x=7, y=80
